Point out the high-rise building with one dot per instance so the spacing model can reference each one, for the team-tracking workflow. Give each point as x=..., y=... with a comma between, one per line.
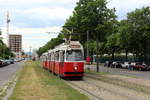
x=15, y=44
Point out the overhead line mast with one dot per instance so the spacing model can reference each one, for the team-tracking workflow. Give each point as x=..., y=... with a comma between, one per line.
x=7, y=27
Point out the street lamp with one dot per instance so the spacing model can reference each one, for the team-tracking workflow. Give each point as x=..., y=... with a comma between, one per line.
x=88, y=59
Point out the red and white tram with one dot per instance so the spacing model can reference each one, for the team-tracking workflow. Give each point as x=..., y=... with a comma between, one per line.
x=65, y=60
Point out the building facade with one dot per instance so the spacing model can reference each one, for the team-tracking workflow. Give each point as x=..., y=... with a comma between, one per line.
x=15, y=44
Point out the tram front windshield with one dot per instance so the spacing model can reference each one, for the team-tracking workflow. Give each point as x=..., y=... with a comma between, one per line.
x=74, y=55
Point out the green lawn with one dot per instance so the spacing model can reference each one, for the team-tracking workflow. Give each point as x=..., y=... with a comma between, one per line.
x=35, y=83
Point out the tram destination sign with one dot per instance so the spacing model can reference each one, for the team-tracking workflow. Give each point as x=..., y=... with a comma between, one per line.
x=74, y=46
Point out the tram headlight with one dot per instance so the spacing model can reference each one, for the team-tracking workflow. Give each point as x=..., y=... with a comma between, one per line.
x=75, y=68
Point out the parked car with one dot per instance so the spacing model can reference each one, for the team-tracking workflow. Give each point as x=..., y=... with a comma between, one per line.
x=131, y=66
x=125, y=65
x=5, y=62
x=148, y=68
x=116, y=64
x=1, y=63
x=139, y=66
x=8, y=62
x=12, y=61
x=108, y=63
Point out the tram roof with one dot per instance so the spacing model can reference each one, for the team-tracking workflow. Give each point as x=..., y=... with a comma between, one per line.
x=65, y=46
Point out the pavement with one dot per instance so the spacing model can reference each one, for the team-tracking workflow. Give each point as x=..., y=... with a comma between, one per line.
x=119, y=71
x=7, y=72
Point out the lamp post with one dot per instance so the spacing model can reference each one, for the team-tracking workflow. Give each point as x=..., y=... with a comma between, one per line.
x=30, y=55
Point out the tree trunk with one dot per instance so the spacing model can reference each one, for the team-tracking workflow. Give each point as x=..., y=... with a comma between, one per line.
x=145, y=52
x=97, y=47
x=126, y=54
x=113, y=56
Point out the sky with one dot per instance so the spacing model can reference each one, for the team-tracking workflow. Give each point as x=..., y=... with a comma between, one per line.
x=33, y=18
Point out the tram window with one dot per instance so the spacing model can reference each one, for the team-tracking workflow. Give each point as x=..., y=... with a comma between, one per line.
x=62, y=56
x=46, y=58
x=53, y=57
x=50, y=57
x=57, y=56
x=74, y=55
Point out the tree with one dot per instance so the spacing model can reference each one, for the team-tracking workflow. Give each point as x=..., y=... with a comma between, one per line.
x=51, y=44
x=91, y=47
x=113, y=43
x=1, y=41
x=5, y=52
x=140, y=35
x=95, y=17
x=125, y=31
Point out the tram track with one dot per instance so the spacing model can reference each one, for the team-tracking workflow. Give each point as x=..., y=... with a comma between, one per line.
x=111, y=91
x=90, y=94
x=121, y=83
x=139, y=92
x=97, y=89
x=96, y=92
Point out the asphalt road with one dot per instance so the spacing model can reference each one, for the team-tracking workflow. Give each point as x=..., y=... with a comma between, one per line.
x=7, y=72
x=118, y=71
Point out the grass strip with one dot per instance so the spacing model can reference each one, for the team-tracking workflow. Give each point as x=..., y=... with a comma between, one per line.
x=35, y=83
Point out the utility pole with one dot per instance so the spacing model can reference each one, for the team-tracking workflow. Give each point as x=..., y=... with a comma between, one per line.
x=87, y=44
x=7, y=26
x=88, y=59
x=97, y=53
x=30, y=52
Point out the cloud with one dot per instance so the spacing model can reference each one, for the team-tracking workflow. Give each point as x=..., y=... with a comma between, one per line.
x=45, y=14
x=36, y=13
x=35, y=37
x=34, y=3
x=125, y=6
x=32, y=18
